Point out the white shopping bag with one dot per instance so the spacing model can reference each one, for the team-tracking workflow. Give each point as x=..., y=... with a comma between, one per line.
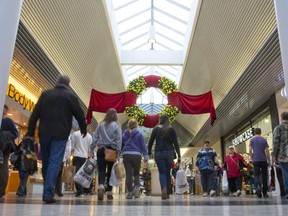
x=114, y=181
x=181, y=185
x=225, y=188
x=83, y=178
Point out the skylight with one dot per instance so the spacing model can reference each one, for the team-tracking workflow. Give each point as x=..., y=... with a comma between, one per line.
x=156, y=26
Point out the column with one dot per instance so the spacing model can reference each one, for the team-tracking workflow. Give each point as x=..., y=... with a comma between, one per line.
x=281, y=11
x=10, y=11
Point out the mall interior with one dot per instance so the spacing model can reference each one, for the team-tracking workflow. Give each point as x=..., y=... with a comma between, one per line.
x=237, y=49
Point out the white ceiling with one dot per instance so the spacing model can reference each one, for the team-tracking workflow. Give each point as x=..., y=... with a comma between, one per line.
x=78, y=39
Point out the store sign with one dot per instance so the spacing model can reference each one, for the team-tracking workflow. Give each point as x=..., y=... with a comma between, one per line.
x=243, y=137
x=20, y=98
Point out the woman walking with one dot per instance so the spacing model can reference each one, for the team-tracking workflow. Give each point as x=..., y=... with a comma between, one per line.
x=233, y=162
x=107, y=136
x=133, y=146
x=166, y=145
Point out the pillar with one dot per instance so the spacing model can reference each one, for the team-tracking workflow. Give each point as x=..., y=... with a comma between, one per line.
x=10, y=11
x=281, y=11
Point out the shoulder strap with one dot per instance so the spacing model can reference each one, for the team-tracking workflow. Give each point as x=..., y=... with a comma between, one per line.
x=234, y=161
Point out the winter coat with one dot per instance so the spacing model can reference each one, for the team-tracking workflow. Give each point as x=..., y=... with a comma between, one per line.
x=233, y=165
x=55, y=109
x=134, y=143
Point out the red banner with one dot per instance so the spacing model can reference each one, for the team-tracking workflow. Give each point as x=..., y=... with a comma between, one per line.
x=187, y=104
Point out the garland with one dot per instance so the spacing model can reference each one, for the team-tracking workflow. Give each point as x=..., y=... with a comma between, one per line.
x=139, y=85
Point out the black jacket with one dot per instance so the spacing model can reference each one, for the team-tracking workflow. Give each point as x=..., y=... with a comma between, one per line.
x=8, y=133
x=169, y=142
x=55, y=109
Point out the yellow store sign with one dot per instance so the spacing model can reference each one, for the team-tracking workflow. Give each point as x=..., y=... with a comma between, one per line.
x=20, y=98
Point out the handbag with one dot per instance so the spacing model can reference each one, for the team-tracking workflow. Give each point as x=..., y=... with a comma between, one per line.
x=110, y=155
x=119, y=170
x=15, y=159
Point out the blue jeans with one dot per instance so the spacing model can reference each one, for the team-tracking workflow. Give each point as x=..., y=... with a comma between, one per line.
x=261, y=175
x=284, y=168
x=23, y=181
x=52, y=150
x=207, y=180
x=164, y=161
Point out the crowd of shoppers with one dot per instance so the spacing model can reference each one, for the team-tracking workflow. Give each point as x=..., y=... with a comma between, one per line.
x=55, y=109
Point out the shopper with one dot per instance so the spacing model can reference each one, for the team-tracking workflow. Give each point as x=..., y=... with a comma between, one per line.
x=189, y=177
x=66, y=159
x=8, y=133
x=107, y=135
x=232, y=164
x=259, y=152
x=207, y=164
x=55, y=109
x=166, y=145
x=280, y=148
x=133, y=147
x=80, y=151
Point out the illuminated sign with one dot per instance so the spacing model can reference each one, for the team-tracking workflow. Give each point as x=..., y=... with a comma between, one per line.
x=20, y=98
x=243, y=137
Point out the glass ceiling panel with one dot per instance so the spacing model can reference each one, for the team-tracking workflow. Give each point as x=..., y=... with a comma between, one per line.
x=172, y=22
x=119, y=3
x=131, y=9
x=135, y=32
x=172, y=9
x=133, y=20
x=151, y=95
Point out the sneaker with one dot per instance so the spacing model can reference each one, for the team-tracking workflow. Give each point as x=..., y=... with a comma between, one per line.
x=129, y=195
x=259, y=194
x=238, y=193
x=164, y=194
x=212, y=193
x=79, y=194
x=234, y=194
x=136, y=192
x=109, y=195
x=205, y=194
x=101, y=191
x=49, y=200
x=265, y=195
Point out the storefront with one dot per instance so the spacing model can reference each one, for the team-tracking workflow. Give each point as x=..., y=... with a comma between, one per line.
x=265, y=118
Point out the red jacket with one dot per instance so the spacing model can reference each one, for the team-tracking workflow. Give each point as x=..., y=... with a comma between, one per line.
x=231, y=164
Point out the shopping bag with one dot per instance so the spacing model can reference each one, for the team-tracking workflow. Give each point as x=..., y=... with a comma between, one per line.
x=119, y=170
x=67, y=174
x=181, y=185
x=114, y=181
x=225, y=188
x=83, y=178
x=89, y=166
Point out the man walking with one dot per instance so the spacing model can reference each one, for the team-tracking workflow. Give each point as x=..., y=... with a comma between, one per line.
x=259, y=152
x=55, y=109
x=207, y=163
x=80, y=152
x=280, y=148
x=8, y=133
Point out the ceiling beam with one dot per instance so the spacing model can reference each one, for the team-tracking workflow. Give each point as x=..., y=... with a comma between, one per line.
x=151, y=57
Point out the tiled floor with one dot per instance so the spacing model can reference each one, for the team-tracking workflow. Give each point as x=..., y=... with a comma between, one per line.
x=176, y=205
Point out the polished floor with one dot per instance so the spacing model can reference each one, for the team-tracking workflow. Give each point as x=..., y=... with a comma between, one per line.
x=152, y=205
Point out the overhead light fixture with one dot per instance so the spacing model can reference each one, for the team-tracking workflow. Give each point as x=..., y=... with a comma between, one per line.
x=9, y=114
x=152, y=34
x=283, y=92
x=266, y=120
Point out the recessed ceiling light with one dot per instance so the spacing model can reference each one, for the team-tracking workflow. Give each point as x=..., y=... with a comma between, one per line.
x=9, y=114
x=24, y=123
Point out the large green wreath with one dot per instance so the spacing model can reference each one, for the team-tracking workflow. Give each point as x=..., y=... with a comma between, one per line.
x=139, y=85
